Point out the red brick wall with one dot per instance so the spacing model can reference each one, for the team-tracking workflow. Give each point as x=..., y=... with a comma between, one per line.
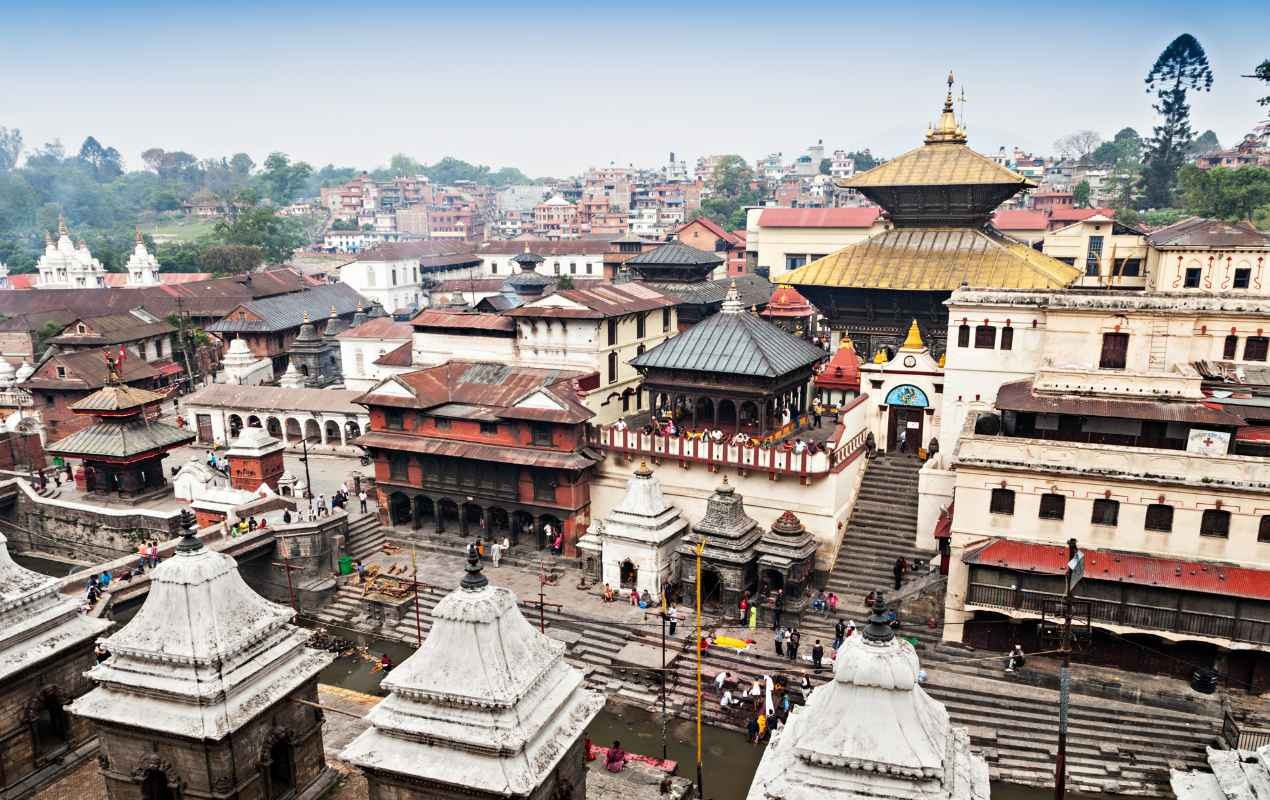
x=20, y=450
x=248, y=472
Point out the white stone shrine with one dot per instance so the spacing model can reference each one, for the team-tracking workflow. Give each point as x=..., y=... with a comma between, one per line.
x=68, y=265
x=198, y=692
x=143, y=267
x=485, y=708
x=242, y=367
x=871, y=732
x=637, y=539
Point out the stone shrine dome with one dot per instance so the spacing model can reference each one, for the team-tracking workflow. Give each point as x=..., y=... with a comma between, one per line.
x=203, y=656
x=871, y=732
x=486, y=705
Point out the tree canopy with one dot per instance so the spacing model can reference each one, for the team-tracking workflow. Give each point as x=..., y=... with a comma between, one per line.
x=731, y=188
x=1182, y=67
x=1231, y=194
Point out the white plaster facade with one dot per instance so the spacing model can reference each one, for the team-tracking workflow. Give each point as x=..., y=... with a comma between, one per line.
x=907, y=389
x=67, y=265
x=241, y=367
x=640, y=534
x=782, y=249
x=393, y=284
x=143, y=267
x=325, y=417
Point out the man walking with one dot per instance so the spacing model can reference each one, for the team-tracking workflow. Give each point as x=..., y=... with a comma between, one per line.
x=361, y=498
x=817, y=654
x=791, y=646
x=672, y=619
x=839, y=634
x=898, y=571
x=780, y=641
x=778, y=605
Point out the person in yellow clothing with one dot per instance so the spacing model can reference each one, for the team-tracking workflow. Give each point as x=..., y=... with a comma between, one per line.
x=753, y=617
x=762, y=725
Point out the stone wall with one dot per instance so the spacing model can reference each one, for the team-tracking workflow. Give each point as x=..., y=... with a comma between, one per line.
x=236, y=766
x=568, y=780
x=58, y=680
x=78, y=530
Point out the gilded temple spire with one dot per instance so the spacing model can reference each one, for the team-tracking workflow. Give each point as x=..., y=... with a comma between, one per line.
x=947, y=129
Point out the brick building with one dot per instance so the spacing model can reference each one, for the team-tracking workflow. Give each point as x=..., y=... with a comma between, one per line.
x=482, y=448
x=704, y=233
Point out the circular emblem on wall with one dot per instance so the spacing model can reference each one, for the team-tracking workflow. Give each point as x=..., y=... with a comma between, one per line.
x=910, y=361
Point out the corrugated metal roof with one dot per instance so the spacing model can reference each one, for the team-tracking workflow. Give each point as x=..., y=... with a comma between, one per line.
x=599, y=301
x=500, y=454
x=1200, y=232
x=674, y=254
x=496, y=386
x=401, y=356
x=732, y=343
x=275, y=399
x=1019, y=396
x=379, y=328
x=1109, y=565
x=935, y=259
x=432, y=318
x=818, y=217
x=754, y=290
x=287, y=311
x=115, y=440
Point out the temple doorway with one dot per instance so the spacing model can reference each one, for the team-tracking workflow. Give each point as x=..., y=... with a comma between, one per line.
x=905, y=423
x=155, y=786
x=52, y=728
x=398, y=509
x=281, y=770
x=424, y=511
x=711, y=588
x=628, y=574
x=449, y=514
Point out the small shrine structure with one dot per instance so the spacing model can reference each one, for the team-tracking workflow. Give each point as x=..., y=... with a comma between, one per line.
x=728, y=566
x=209, y=691
x=122, y=450
x=636, y=541
x=838, y=381
x=790, y=311
x=872, y=733
x=255, y=458
x=513, y=728
x=46, y=644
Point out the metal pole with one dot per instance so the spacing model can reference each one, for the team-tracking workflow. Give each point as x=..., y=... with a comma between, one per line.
x=1060, y=762
x=414, y=579
x=701, y=546
x=542, y=600
x=663, y=685
x=308, y=481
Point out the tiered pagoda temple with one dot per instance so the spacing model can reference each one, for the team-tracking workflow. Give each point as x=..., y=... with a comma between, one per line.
x=46, y=644
x=208, y=692
x=122, y=450
x=839, y=380
x=734, y=371
x=871, y=733
x=939, y=200
x=317, y=355
x=485, y=708
x=685, y=272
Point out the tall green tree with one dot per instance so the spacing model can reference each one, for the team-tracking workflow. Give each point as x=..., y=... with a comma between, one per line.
x=1080, y=194
x=262, y=227
x=10, y=147
x=1231, y=194
x=282, y=179
x=1182, y=67
x=1261, y=73
x=731, y=190
x=1124, y=147
x=864, y=159
x=1206, y=142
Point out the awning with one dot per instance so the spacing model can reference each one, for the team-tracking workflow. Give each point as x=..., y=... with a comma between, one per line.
x=1140, y=570
x=1020, y=396
x=522, y=456
x=168, y=368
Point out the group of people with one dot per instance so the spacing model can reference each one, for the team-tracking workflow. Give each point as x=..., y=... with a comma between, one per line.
x=770, y=699
x=245, y=526
x=218, y=463
x=98, y=582
x=492, y=552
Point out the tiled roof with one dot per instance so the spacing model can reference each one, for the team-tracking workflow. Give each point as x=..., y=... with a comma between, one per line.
x=112, y=329
x=121, y=440
x=287, y=311
x=598, y=302
x=1073, y=214
x=405, y=251
x=674, y=254
x=498, y=454
x=940, y=164
x=935, y=259
x=86, y=369
x=842, y=371
x=1200, y=232
x=466, y=320
x=117, y=280
x=711, y=226
x=499, y=387
x=548, y=248
x=755, y=290
x=379, y=328
x=117, y=398
x=787, y=302
x=275, y=399
x=1020, y=220
x=1020, y=396
x=818, y=217
x=400, y=356
x=1226, y=580
x=732, y=343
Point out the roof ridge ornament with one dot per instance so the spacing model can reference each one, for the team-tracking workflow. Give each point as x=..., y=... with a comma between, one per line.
x=189, y=534
x=473, y=579
x=914, y=339
x=879, y=630
x=732, y=302
x=947, y=131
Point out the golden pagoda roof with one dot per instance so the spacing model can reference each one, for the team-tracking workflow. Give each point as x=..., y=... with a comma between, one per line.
x=934, y=259
x=914, y=339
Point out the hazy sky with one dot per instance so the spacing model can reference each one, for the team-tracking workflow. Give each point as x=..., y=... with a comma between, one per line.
x=555, y=87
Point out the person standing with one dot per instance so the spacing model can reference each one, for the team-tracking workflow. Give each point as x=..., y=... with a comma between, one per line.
x=791, y=646
x=780, y=641
x=778, y=605
x=903, y=441
x=817, y=655
x=672, y=618
x=361, y=498
x=753, y=618
x=898, y=572
x=839, y=634
x=496, y=552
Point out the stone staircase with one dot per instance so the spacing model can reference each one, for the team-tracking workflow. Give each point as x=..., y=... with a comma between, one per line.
x=882, y=528
x=365, y=536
